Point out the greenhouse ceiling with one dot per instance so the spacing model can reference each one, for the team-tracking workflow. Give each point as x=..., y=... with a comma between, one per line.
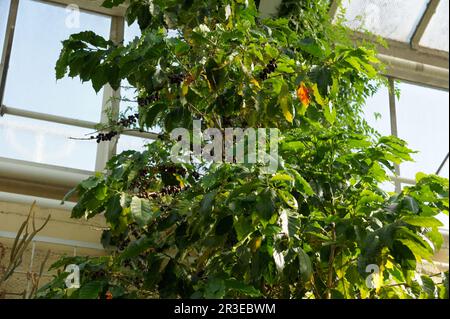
x=416, y=32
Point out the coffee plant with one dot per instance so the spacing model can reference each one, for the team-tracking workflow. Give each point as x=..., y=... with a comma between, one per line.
x=313, y=228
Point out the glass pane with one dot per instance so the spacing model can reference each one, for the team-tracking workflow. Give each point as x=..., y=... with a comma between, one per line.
x=45, y=142
x=388, y=187
x=4, y=10
x=31, y=82
x=127, y=143
x=395, y=20
x=131, y=32
x=436, y=34
x=376, y=112
x=423, y=122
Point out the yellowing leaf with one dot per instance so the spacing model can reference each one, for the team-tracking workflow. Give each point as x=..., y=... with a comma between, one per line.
x=285, y=100
x=256, y=244
x=185, y=89
x=256, y=83
x=179, y=179
x=284, y=103
x=318, y=96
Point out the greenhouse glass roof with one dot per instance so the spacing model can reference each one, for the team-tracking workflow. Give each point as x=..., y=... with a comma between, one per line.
x=419, y=25
x=422, y=22
x=416, y=33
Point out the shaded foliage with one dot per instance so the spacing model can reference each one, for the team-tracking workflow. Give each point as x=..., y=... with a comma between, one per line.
x=225, y=230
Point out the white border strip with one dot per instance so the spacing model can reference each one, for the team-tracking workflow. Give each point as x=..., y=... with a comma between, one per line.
x=40, y=202
x=57, y=241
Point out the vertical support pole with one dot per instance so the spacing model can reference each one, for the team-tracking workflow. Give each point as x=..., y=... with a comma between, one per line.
x=7, y=47
x=111, y=101
x=394, y=127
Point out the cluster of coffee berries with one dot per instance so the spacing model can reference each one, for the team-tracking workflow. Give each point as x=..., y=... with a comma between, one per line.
x=170, y=169
x=128, y=121
x=144, y=101
x=270, y=68
x=177, y=78
x=103, y=137
x=166, y=191
x=124, y=122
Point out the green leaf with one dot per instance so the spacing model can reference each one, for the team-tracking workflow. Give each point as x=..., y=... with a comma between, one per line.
x=422, y=221
x=224, y=225
x=141, y=211
x=418, y=250
x=265, y=205
x=239, y=286
x=91, y=290
x=429, y=287
x=282, y=178
x=436, y=238
x=207, y=202
x=113, y=209
x=410, y=204
x=310, y=45
x=136, y=248
x=112, y=3
x=305, y=269
x=330, y=114
x=288, y=198
x=243, y=228
x=302, y=184
x=215, y=289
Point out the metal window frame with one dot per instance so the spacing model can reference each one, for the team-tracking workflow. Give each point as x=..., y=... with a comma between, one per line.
x=405, y=62
x=111, y=98
x=399, y=180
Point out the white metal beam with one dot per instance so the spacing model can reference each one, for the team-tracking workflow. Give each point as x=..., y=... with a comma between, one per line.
x=111, y=102
x=424, y=22
x=394, y=127
x=414, y=72
x=7, y=47
x=90, y=5
x=45, y=174
x=40, y=201
x=68, y=121
x=56, y=241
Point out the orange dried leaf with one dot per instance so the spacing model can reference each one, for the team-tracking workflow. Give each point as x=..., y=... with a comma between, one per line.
x=109, y=295
x=303, y=95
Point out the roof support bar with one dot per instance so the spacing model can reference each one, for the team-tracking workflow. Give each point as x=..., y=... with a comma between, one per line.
x=7, y=47
x=68, y=121
x=111, y=101
x=394, y=127
x=443, y=164
x=423, y=24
